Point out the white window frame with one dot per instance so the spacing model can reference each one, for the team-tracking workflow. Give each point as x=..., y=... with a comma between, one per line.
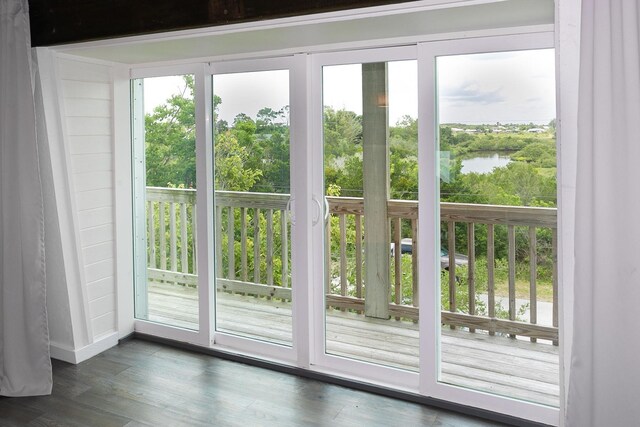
x=307, y=177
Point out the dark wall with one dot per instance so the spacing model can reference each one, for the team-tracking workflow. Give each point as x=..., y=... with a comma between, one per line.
x=66, y=21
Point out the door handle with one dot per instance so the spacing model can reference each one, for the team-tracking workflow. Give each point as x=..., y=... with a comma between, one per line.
x=316, y=219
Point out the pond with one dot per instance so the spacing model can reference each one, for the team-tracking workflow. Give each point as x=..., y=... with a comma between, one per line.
x=485, y=161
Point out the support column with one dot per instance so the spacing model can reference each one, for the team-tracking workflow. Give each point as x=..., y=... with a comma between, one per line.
x=375, y=137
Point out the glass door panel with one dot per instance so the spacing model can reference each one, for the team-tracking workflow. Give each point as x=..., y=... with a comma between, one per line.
x=165, y=176
x=499, y=296
x=371, y=191
x=252, y=197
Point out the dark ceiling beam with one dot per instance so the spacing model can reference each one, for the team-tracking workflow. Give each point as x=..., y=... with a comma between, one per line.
x=68, y=21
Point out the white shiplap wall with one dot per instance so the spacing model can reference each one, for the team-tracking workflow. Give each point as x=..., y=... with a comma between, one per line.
x=87, y=97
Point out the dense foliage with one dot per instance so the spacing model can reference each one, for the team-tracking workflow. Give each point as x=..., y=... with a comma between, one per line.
x=253, y=155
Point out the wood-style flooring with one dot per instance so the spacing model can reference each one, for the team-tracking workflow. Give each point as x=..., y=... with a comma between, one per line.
x=495, y=364
x=139, y=383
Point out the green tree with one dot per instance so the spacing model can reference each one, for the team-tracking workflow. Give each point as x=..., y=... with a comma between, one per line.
x=170, y=140
x=230, y=159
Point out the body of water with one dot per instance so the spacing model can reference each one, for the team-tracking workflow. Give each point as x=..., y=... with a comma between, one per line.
x=484, y=162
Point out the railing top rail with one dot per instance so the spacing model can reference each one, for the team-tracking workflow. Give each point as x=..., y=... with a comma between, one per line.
x=496, y=214
x=458, y=212
x=252, y=200
x=172, y=195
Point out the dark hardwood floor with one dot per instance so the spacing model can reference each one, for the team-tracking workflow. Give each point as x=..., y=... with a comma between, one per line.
x=139, y=383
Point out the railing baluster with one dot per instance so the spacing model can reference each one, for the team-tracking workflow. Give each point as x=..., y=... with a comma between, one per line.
x=163, y=236
x=451, y=234
x=491, y=290
x=184, y=244
x=194, y=240
x=231, y=242
x=533, y=264
x=358, y=225
x=511, y=238
x=270, y=247
x=152, y=234
x=397, y=259
x=218, y=245
x=256, y=245
x=327, y=256
x=343, y=255
x=414, y=262
x=173, y=241
x=554, y=258
x=243, y=243
x=284, y=248
x=471, y=268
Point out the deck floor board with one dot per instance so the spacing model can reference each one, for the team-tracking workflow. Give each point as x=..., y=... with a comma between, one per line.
x=495, y=364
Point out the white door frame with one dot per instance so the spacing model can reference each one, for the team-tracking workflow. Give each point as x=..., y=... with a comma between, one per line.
x=228, y=341
x=320, y=360
x=429, y=224
x=307, y=178
x=204, y=186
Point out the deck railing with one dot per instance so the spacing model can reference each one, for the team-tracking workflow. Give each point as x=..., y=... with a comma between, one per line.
x=252, y=254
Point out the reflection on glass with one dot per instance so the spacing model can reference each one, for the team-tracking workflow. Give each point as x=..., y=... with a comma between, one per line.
x=371, y=186
x=498, y=284
x=252, y=231
x=169, y=186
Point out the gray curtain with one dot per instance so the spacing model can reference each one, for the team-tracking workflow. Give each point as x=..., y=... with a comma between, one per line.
x=25, y=366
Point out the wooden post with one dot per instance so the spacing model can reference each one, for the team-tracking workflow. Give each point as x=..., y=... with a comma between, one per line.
x=376, y=189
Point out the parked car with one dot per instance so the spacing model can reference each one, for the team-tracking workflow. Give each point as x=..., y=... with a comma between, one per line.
x=406, y=247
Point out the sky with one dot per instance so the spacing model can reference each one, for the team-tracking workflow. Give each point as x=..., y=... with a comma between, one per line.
x=508, y=87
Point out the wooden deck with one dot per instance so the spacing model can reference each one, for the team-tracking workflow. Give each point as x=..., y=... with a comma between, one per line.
x=495, y=364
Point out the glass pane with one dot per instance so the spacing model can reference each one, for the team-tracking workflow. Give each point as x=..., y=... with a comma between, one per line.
x=498, y=180
x=371, y=189
x=166, y=173
x=252, y=231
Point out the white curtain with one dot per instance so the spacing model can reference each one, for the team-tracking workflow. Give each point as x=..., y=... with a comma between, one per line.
x=604, y=376
x=25, y=366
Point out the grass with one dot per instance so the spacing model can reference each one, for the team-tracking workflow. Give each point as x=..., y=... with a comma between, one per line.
x=544, y=291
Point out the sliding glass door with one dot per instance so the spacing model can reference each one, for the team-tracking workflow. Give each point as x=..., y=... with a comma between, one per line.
x=387, y=215
x=488, y=207
x=165, y=175
x=252, y=199
x=367, y=296
x=498, y=241
x=370, y=185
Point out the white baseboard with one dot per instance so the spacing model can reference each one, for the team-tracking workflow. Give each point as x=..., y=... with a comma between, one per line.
x=75, y=356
